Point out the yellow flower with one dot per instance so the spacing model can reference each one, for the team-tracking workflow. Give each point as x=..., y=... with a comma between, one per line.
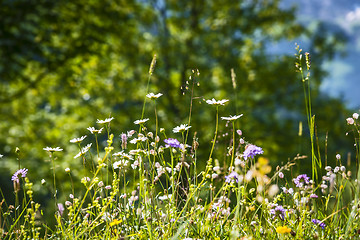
x=283, y=229
x=115, y=222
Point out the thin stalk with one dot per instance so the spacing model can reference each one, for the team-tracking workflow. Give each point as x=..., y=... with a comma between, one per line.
x=216, y=130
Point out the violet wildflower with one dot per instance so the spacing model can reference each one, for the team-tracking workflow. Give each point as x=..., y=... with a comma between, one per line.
x=313, y=195
x=301, y=179
x=318, y=222
x=278, y=211
x=251, y=151
x=231, y=177
x=61, y=208
x=171, y=142
x=21, y=172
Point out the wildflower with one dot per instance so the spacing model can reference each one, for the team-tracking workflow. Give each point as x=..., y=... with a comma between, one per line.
x=21, y=172
x=120, y=164
x=350, y=121
x=182, y=128
x=251, y=151
x=283, y=229
x=338, y=156
x=107, y=120
x=49, y=149
x=83, y=151
x=318, y=222
x=43, y=181
x=94, y=131
x=171, y=142
x=328, y=168
x=313, y=195
x=68, y=203
x=67, y=170
x=139, y=139
x=342, y=168
x=123, y=140
x=153, y=96
x=232, y=118
x=355, y=115
x=301, y=179
x=115, y=222
x=231, y=177
x=242, y=141
x=141, y=121
x=239, y=132
x=108, y=187
x=165, y=197
x=1, y=156
x=78, y=140
x=214, y=102
x=281, y=175
x=61, y=208
x=278, y=211
x=336, y=169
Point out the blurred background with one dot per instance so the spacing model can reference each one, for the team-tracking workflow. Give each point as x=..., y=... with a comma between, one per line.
x=65, y=64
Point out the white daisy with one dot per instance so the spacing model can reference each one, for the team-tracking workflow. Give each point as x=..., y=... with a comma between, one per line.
x=231, y=118
x=78, y=140
x=181, y=128
x=141, y=121
x=49, y=149
x=83, y=150
x=214, y=102
x=153, y=96
x=93, y=130
x=107, y=120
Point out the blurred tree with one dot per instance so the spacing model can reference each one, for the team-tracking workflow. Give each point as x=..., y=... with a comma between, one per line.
x=65, y=64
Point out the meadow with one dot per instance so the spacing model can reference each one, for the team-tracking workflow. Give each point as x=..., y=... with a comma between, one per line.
x=154, y=186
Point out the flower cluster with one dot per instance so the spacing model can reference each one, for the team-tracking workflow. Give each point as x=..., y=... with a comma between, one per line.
x=251, y=151
x=21, y=172
x=301, y=180
x=171, y=142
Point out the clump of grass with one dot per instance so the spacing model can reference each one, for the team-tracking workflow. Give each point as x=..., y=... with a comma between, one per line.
x=152, y=187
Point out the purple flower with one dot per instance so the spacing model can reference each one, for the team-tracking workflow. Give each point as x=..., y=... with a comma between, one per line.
x=251, y=151
x=278, y=211
x=172, y=142
x=61, y=208
x=231, y=177
x=313, y=195
x=301, y=179
x=318, y=222
x=21, y=172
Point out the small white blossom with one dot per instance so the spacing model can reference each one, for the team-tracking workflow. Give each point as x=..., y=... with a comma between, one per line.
x=49, y=149
x=355, y=115
x=83, y=150
x=181, y=128
x=153, y=96
x=328, y=168
x=232, y=118
x=1, y=155
x=94, y=131
x=78, y=140
x=214, y=102
x=107, y=120
x=141, y=121
x=350, y=121
x=67, y=170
